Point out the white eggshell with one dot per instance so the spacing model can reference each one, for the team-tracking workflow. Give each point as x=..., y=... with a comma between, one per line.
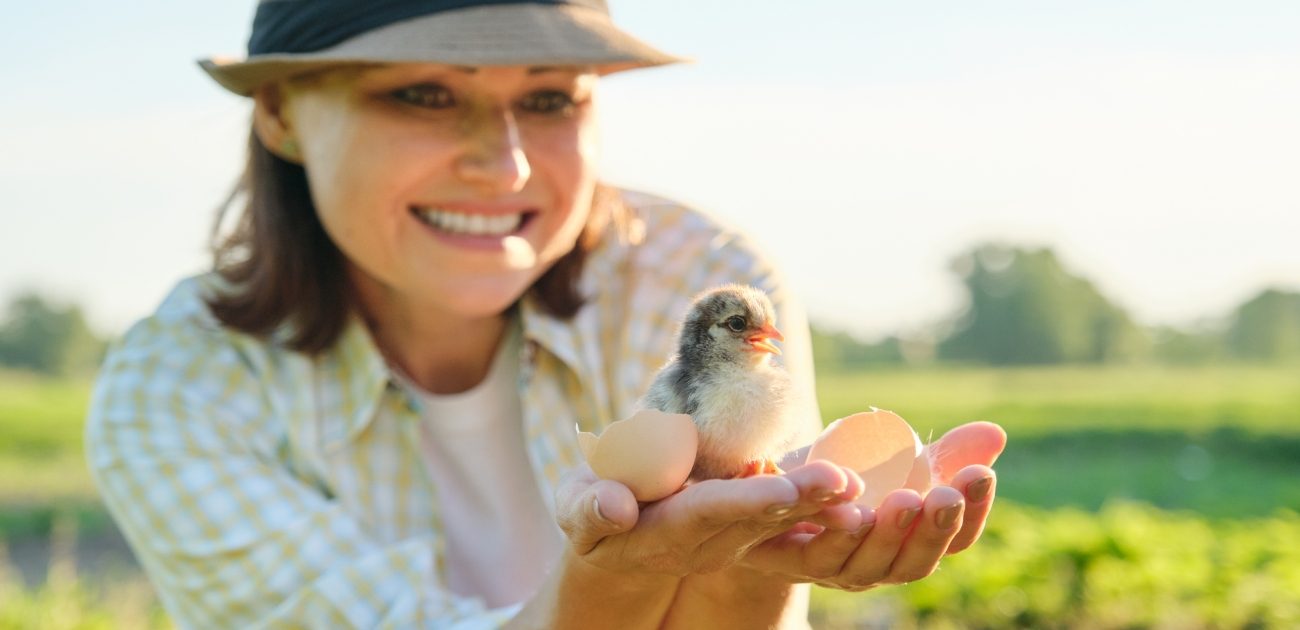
x=651, y=452
x=880, y=446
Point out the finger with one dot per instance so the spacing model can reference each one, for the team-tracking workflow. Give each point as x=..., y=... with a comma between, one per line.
x=973, y=443
x=788, y=552
x=931, y=533
x=821, y=487
x=589, y=512
x=841, y=517
x=774, y=501
x=569, y=495
x=821, y=483
x=825, y=554
x=711, y=506
x=870, y=563
x=978, y=484
x=782, y=554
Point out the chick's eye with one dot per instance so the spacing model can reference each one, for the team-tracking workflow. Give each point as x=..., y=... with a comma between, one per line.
x=430, y=95
x=548, y=102
x=735, y=323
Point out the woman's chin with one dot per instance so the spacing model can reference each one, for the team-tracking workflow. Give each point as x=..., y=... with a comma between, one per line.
x=480, y=300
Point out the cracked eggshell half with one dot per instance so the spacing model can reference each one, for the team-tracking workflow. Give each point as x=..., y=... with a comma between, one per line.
x=650, y=452
x=881, y=447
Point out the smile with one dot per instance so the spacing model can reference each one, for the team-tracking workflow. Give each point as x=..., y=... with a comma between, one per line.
x=472, y=224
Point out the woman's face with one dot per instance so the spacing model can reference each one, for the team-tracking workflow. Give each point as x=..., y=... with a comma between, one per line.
x=447, y=187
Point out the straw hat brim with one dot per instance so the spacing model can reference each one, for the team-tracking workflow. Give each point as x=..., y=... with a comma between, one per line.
x=508, y=34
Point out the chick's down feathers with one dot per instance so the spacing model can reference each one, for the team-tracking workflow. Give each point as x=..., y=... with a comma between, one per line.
x=724, y=377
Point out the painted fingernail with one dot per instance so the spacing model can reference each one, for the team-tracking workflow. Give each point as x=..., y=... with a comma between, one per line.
x=947, y=517
x=823, y=495
x=863, y=529
x=778, y=510
x=906, y=517
x=977, y=490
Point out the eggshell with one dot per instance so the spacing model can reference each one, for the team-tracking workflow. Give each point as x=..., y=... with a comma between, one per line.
x=650, y=452
x=921, y=479
x=881, y=447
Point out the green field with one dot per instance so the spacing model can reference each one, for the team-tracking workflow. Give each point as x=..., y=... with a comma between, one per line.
x=1130, y=497
x=1222, y=441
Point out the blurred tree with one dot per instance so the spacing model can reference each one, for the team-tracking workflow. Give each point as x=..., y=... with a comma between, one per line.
x=1187, y=347
x=1024, y=307
x=46, y=338
x=1267, y=327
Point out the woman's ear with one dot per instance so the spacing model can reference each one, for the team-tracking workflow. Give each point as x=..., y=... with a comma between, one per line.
x=272, y=125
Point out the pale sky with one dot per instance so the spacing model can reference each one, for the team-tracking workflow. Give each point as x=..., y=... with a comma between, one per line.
x=1154, y=145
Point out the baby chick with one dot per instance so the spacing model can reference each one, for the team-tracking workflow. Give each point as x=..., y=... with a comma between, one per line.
x=723, y=377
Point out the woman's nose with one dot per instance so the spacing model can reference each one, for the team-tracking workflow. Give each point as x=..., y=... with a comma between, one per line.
x=493, y=157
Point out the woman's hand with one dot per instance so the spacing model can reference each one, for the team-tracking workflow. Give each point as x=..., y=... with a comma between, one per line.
x=705, y=527
x=908, y=535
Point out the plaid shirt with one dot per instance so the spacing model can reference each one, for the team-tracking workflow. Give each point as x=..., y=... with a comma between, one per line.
x=262, y=487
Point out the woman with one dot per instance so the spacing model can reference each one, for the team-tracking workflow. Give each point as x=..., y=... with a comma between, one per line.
x=364, y=415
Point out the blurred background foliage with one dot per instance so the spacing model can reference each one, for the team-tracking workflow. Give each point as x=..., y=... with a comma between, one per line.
x=1150, y=479
x=1023, y=307
x=47, y=338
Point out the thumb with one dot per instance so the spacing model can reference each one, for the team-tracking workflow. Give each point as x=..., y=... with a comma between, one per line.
x=590, y=511
x=972, y=443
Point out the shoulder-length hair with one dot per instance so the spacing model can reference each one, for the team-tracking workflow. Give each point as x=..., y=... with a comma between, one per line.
x=281, y=268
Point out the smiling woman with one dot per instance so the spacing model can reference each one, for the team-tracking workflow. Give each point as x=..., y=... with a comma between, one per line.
x=451, y=183
x=363, y=415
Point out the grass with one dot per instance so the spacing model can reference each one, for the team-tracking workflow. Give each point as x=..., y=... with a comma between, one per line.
x=121, y=598
x=42, y=471
x=1049, y=400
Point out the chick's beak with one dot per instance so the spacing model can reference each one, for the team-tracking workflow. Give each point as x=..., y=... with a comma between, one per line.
x=761, y=340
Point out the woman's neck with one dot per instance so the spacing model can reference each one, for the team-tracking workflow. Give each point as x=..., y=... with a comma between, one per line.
x=441, y=352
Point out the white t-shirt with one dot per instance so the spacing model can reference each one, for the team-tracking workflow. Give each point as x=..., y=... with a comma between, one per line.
x=500, y=539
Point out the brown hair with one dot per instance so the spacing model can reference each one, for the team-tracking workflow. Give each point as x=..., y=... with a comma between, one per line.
x=282, y=268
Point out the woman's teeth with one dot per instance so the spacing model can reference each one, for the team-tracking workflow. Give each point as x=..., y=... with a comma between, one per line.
x=471, y=224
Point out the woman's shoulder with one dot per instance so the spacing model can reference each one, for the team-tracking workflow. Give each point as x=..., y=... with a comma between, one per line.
x=181, y=349
x=670, y=231
x=693, y=249
x=179, y=372
x=182, y=316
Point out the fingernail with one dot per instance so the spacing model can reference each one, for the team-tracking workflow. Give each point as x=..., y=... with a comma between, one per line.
x=823, y=495
x=778, y=510
x=977, y=490
x=906, y=517
x=863, y=529
x=947, y=517
x=595, y=503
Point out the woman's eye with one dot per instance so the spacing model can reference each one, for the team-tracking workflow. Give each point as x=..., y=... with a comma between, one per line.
x=548, y=102
x=430, y=95
x=736, y=323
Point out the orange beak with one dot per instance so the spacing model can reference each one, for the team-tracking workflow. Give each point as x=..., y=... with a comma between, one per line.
x=761, y=340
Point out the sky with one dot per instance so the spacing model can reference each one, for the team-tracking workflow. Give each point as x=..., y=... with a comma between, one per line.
x=1155, y=145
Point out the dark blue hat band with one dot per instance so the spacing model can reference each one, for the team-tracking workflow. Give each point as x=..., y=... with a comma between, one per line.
x=303, y=26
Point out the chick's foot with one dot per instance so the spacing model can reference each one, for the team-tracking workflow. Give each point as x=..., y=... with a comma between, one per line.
x=759, y=467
